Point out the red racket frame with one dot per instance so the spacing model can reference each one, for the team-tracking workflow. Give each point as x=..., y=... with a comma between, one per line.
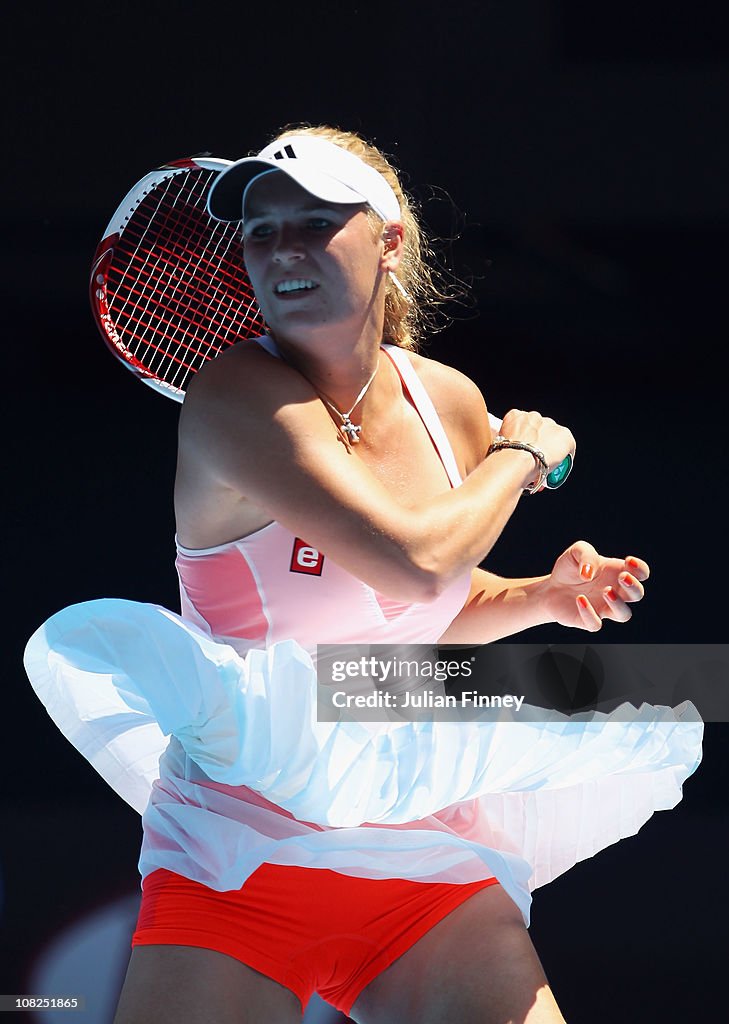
x=169, y=238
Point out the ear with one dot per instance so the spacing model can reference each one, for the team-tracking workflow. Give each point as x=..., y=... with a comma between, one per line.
x=392, y=245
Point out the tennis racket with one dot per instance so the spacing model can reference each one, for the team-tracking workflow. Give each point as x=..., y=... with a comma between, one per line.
x=168, y=286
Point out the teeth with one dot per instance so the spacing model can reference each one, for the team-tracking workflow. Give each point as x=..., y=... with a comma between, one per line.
x=294, y=286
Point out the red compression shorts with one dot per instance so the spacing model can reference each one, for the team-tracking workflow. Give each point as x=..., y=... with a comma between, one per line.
x=310, y=929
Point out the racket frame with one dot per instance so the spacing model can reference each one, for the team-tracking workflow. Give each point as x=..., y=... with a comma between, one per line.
x=104, y=255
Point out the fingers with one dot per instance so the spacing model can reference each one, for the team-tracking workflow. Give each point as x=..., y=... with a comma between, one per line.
x=553, y=440
x=610, y=602
x=590, y=562
x=637, y=567
x=617, y=608
x=588, y=616
x=630, y=588
x=614, y=604
x=586, y=558
x=611, y=607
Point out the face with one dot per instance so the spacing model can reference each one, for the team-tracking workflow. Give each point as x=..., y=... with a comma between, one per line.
x=311, y=264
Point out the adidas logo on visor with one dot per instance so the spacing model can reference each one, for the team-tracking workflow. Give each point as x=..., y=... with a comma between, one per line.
x=287, y=151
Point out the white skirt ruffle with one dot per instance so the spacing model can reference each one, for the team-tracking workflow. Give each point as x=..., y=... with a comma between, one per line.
x=372, y=799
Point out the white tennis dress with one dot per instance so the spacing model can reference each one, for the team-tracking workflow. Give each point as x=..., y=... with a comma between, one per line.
x=206, y=724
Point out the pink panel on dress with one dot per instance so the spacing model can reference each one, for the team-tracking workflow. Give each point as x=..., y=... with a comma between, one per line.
x=223, y=590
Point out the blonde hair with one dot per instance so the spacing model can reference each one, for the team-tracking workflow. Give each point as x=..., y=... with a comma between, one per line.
x=407, y=316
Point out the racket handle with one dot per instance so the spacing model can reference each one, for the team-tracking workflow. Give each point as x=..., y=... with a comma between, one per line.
x=558, y=475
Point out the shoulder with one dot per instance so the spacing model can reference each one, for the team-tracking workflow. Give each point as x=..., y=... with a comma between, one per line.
x=240, y=390
x=446, y=383
x=459, y=404
x=245, y=367
x=245, y=412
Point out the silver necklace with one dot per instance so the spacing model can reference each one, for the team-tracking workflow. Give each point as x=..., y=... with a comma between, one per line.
x=351, y=429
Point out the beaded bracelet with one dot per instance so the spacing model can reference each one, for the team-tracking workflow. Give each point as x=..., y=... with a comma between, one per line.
x=500, y=443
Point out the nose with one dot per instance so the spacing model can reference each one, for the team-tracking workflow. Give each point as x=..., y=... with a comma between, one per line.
x=288, y=247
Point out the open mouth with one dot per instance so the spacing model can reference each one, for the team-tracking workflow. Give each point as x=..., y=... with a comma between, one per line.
x=301, y=284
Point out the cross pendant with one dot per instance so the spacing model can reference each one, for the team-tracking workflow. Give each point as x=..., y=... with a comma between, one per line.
x=351, y=430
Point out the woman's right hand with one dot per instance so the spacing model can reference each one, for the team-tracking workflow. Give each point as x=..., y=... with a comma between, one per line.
x=555, y=441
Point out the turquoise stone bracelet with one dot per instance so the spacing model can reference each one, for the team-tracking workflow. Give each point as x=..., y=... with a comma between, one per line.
x=559, y=474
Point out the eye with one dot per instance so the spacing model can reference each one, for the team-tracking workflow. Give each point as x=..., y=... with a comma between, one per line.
x=258, y=231
x=319, y=223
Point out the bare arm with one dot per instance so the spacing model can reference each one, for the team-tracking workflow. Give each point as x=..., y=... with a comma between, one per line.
x=583, y=589
x=498, y=607
x=258, y=428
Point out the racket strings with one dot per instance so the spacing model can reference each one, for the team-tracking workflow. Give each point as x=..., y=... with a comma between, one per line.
x=177, y=288
x=178, y=251
x=211, y=250
x=146, y=269
x=183, y=225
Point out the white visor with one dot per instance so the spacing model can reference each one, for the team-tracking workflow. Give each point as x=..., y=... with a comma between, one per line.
x=321, y=168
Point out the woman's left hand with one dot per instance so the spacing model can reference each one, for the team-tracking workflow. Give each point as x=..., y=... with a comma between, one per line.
x=585, y=587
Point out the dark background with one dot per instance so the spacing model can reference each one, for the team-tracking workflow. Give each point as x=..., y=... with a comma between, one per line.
x=580, y=150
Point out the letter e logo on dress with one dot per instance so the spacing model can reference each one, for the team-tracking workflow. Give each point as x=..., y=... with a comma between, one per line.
x=305, y=558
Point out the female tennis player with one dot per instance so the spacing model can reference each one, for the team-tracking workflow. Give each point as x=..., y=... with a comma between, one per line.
x=335, y=487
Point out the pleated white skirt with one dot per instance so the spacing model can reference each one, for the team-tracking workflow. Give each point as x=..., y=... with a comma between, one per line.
x=249, y=775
